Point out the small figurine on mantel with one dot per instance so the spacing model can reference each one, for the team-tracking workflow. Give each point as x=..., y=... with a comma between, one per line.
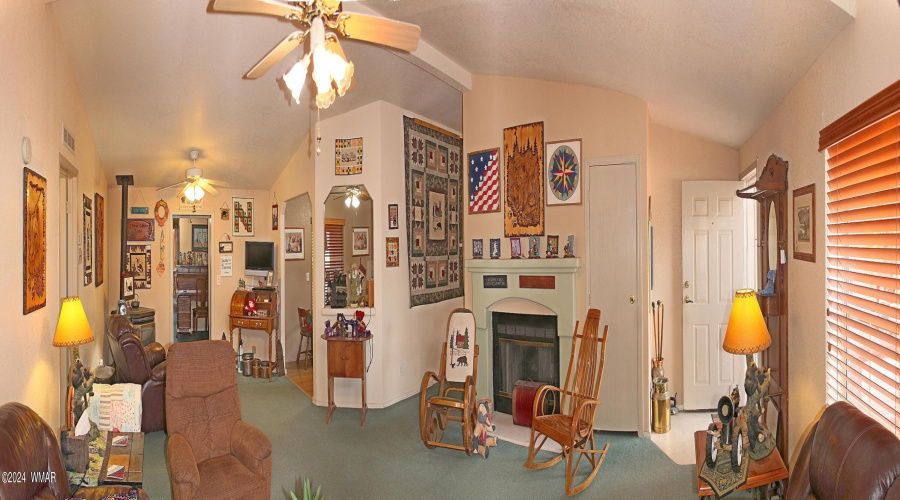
x=569, y=249
x=356, y=285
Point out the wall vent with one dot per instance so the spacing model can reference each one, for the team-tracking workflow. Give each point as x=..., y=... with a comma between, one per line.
x=68, y=139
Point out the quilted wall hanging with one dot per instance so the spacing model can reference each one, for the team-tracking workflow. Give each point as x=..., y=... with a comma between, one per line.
x=523, y=212
x=433, y=204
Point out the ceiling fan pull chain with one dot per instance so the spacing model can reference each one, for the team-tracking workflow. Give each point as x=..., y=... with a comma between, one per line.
x=318, y=133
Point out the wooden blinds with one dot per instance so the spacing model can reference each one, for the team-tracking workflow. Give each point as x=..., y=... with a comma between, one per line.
x=863, y=270
x=334, y=252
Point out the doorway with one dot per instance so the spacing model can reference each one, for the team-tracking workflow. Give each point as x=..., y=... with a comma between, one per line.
x=68, y=229
x=192, y=307
x=614, y=256
x=297, y=292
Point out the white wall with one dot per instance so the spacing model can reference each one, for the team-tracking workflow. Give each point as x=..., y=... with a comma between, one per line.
x=39, y=95
x=861, y=61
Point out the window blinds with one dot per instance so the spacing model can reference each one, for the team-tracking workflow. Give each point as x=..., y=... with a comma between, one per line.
x=334, y=252
x=863, y=270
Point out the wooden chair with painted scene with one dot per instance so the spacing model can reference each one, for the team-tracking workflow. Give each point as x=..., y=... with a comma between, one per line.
x=573, y=426
x=455, y=398
x=305, y=335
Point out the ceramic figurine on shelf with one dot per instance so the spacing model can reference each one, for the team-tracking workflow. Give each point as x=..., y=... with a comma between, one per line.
x=329, y=330
x=340, y=326
x=569, y=249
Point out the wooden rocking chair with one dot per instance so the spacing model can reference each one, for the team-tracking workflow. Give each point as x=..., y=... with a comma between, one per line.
x=455, y=400
x=573, y=428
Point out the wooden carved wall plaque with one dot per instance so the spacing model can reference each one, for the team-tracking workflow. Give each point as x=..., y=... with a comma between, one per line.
x=140, y=230
x=523, y=151
x=99, y=235
x=34, y=279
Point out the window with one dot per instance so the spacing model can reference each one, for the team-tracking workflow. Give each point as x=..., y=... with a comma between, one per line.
x=334, y=252
x=863, y=258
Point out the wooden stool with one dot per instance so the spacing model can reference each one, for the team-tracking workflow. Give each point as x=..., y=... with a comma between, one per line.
x=305, y=334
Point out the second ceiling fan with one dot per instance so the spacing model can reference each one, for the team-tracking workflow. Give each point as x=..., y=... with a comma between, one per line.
x=322, y=21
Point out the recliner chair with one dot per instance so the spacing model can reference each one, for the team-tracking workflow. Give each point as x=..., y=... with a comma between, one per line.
x=145, y=366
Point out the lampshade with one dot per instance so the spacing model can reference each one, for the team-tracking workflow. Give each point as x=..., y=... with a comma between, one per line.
x=747, y=332
x=73, y=328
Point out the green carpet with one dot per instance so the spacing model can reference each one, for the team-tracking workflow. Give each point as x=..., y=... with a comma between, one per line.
x=386, y=458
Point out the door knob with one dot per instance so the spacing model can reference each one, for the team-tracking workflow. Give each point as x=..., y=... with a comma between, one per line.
x=687, y=299
x=631, y=299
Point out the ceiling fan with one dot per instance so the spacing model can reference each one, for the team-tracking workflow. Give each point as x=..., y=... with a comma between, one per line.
x=195, y=185
x=321, y=21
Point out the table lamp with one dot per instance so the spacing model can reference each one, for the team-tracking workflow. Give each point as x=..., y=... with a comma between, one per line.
x=747, y=334
x=72, y=330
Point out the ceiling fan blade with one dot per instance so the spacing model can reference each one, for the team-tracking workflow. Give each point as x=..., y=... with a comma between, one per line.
x=282, y=49
x=205, y=185
x=216, y=183
x=268, y=7
x=170, y=187
x=403, y=36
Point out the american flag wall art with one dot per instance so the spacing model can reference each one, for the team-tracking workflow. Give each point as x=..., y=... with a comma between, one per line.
x=484, y=181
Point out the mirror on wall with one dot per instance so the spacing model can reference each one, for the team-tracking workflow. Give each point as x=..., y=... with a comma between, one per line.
x=348, y=247
x=772, y=237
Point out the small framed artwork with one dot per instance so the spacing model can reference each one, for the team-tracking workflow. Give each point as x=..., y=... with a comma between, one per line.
x=495, y=248
x=552, y=247
x=477, y=248
x=274, y=216
x=805, y=223
x=484, y=181
x=360, y=241
x=224, y=212
x=294, y=247
x=226, y=246
x=563, y=172
x=392, y=252
x=199, y=238
x=393, y=216
x=127, y=285
x=534, y=247
x=88, y=235
x=515, y=248
x=569, y=250
x=140, y=230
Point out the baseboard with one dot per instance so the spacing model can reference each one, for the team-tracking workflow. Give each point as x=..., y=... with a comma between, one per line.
x=383, y=404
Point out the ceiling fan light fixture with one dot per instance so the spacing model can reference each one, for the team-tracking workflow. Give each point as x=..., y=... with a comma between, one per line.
x=295, y=78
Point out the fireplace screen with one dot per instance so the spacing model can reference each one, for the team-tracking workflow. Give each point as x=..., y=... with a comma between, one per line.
x=526, y=347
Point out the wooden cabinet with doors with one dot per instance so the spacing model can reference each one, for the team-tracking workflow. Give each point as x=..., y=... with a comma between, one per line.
x=771, y=190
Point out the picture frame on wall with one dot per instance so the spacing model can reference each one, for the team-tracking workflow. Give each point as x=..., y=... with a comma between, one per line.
x=99, y=237
x=393, y=216
x=294, y=245
x=563, y=172
x=88, y=239
x=34, y=270
x=392, y=252
x=127, y=285
x=804, y=208
x=484, y=181
x=360, y=241
x=200, y=238
x=226, y=246
x=274, y=216
x=243, y=216
x=140, y=230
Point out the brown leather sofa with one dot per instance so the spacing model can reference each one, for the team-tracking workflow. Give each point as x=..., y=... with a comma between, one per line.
x=212, y=453
x=145, y=366
x=846, y=455
x=27, y=444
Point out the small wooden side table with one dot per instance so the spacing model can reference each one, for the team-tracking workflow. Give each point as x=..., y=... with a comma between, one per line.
x=347, y=359
x=130, y=456
x=767, y=474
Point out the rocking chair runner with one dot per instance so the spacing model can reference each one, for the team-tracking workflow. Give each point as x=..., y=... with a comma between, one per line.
x=573, y=428
x=455, y=400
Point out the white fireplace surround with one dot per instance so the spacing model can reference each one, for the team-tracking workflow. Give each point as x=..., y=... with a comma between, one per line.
x=558, y=301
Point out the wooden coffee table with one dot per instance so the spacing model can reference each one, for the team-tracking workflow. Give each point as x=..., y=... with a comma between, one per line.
x=767, y=474
x=131, y=456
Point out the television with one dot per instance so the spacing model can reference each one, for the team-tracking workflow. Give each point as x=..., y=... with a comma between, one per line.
x=259, y=258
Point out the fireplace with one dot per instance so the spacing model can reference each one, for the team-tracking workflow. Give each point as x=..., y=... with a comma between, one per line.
x=525, y=347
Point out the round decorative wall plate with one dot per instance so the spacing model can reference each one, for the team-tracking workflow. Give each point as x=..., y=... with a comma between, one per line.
x=564, y=173
x=162, y=212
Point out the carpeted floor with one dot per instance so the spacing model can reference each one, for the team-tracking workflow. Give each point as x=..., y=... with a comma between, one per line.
x=386, y=458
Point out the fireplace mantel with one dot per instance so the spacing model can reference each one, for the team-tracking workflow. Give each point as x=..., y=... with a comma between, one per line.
x=560, y=299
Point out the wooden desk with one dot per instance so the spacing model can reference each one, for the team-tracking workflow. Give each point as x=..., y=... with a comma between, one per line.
x=265, y=301
x=767, y=474
x=346, y=359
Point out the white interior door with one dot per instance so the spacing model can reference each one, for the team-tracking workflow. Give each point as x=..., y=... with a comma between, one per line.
x=713, y=268
x=614, y=256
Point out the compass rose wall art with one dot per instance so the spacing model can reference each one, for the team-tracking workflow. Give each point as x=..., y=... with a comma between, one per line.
x=564, y=172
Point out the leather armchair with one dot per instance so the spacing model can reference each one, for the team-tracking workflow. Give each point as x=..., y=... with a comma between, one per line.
x=145, y=366
x=846, y=455
x=27, y=444
x=212, y=453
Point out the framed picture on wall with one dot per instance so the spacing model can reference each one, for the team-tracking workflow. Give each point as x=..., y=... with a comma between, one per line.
x=88, y=236
x=127, y=285
x=360, y=241
x=392, y=252
x=34, y=279
x=274, y=216
x=226, y=246
x=393, y=216
x=294, y=246
x=200, y=237
x=805, y=223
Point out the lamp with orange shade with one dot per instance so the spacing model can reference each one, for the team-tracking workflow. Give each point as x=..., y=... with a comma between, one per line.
x=72, y=330
x=747, y=334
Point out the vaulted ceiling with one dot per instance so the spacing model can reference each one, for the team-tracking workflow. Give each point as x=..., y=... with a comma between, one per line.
x=161, y=77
